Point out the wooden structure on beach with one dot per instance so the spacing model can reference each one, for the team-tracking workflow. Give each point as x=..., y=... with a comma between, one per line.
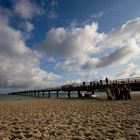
x=133, y=83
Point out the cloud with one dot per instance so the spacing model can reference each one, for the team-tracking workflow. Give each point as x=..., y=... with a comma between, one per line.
x=26, y=9
x=130, y=70
x=120, y=45
x=119, y=56
x=19, y=65
x=53, y=14
x=82, y=49
x=68, y=43
x=28, y=26
x=11, y=41
x=118, y=37
x=73, y=23
x=98, y=15
x=70, y=65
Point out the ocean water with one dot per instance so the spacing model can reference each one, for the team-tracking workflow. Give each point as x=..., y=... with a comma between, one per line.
x=5, y=97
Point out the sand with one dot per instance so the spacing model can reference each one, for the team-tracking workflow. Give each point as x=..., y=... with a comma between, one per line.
x=67, y=119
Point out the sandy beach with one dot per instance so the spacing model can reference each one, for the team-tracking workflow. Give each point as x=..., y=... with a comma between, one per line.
x=70, y=119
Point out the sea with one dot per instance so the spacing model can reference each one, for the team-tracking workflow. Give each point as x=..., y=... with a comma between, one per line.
x=5, y=97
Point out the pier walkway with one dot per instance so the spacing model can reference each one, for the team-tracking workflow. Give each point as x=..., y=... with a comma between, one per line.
x=133, y=83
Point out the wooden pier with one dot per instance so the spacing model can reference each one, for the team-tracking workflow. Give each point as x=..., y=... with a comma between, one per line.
x=133, y=83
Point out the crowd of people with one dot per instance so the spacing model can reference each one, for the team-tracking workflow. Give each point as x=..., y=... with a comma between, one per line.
x=118, y=92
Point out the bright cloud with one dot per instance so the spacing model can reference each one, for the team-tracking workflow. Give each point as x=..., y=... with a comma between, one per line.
x=130, y=70
x=75, y=51
x=26, y=9
x=19, y=65
x=119, y=56
x=28, y=26
x=72, y=43
x=80, y=49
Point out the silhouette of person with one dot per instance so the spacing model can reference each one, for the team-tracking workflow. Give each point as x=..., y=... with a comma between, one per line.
x=117, y=93
x=101, y=82
x=121, y=93
x=109, y=94
x=106, y=80
x=129, y=93
x=125, y=92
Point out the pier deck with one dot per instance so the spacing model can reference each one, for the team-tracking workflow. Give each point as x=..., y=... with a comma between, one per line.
x=133, y=83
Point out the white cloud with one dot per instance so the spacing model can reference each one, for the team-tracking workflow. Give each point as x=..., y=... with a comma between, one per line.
x=118, y=37
x=52, y=13
x=28, y=26
x=72, y=46
x=85, y=49
x=119, y=56
x=11, y=41
x=26, y=9
x=77, y=42
x=19, y=65
x=120, y=45
x=73, y=23
x=98, y=15
x=70, y=65
x=130, y=70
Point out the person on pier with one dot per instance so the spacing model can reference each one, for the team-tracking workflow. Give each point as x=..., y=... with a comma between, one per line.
x=117, y=92
x=106, y=80
x=121, y=93
x=109, y=93
x=126, y=92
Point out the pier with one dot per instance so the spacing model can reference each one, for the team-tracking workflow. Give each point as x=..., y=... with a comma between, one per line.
x=132, y=83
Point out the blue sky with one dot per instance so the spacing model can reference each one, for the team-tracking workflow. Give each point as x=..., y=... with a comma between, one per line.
x=53, y=42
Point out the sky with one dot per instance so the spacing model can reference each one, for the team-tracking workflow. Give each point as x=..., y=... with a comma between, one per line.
x=48, y=43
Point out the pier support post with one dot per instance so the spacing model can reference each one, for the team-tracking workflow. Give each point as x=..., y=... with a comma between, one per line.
x=79, y=94
x=69, y=94
x=57, y=94
x=38, y=94
x=43, y=94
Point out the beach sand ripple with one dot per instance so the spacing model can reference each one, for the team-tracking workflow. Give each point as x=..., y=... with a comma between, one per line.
x=67, y=119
